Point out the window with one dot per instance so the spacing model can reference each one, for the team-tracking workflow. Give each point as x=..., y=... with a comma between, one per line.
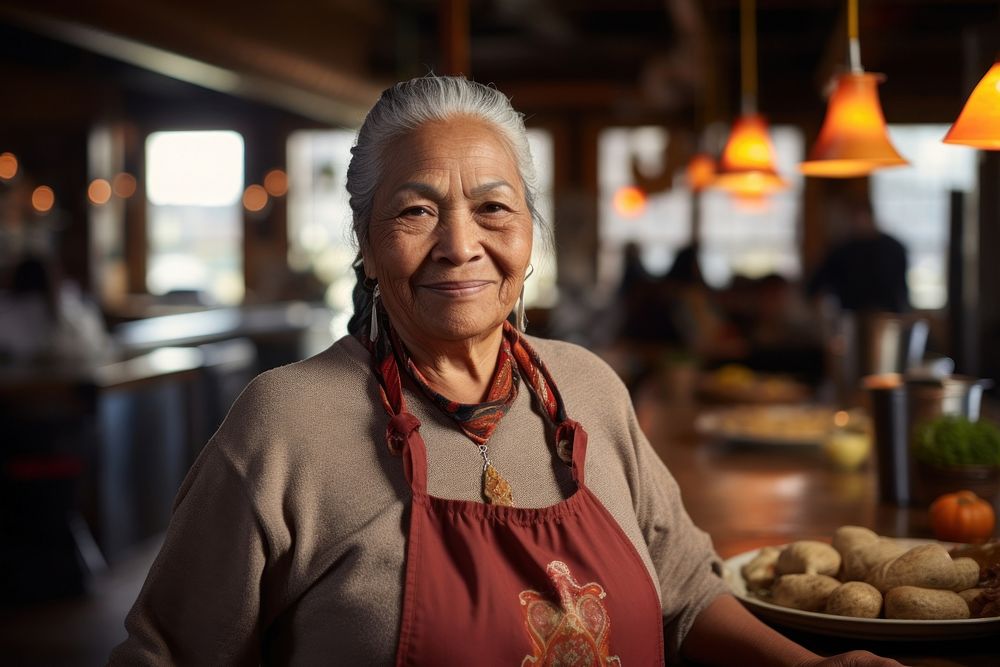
x=194, y=181
x=319, y=216
x=662, y=227
x=540, y=288
x=752, y=239
x=912, y=204
x=320, y=239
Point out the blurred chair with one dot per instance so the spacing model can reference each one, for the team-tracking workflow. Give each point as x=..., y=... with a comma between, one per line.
x=49, y=435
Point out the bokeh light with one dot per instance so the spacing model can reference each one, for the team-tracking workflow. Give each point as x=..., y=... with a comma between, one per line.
x=276, y=183
x=8, y=166
x=99, y=191
x=254, y=198
x=43, y=199
x=123, y=185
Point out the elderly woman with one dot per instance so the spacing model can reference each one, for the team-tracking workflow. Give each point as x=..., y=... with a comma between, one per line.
x=438, y=488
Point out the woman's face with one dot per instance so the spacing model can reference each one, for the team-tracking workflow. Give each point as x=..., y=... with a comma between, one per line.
x=450, y=236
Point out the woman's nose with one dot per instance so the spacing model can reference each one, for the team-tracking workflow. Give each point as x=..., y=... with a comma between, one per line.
x=458, y=239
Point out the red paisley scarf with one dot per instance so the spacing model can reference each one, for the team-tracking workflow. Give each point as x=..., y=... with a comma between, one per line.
x=477, y=420
x=515, y=360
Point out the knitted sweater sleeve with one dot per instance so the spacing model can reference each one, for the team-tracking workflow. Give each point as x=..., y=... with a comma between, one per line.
x=688, y=569
x=201, y=602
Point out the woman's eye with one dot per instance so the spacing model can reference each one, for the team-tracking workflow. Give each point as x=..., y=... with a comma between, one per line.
x=492, y=208
x=415, y=212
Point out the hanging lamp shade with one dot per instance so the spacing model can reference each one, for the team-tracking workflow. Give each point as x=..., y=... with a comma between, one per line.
x=629, y=201
x=979, y=123
x=700, y=172
x=747, y=167
x=853, y=140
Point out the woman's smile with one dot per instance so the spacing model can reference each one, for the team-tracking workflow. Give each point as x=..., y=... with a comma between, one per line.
x=457, y=289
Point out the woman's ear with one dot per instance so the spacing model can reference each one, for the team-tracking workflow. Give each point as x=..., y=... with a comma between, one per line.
x=367, y=262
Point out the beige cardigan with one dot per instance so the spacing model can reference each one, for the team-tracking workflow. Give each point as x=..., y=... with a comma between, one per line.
x=288, y=536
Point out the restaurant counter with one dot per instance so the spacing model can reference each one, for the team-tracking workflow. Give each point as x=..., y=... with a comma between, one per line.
x=747, y=497
x=279, y=331
x=92, y=455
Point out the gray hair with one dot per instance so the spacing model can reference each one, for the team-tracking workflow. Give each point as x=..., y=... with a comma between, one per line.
x=410, y=104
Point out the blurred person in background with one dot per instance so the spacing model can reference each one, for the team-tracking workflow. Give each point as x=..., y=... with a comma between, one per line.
x=866, y=271
x=702, y=328
x=437, y=488
x=638, y=295
x=45, y=320
x=782, y=333
x=859, y=285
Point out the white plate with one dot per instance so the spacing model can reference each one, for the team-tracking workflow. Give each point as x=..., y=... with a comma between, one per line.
x=843, y=626
x=768, y=425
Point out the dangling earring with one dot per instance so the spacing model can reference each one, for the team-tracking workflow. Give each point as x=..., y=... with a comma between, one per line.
x=373, y=326
x=520, y=320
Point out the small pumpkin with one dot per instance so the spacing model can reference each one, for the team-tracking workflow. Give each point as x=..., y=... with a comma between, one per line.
x=962, y=516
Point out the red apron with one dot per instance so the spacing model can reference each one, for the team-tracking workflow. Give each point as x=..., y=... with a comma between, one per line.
x=493, y=585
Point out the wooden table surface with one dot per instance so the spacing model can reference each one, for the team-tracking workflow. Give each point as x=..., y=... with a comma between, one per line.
x=748, y=497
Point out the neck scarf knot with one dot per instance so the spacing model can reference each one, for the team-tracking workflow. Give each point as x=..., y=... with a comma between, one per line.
x=516, y=361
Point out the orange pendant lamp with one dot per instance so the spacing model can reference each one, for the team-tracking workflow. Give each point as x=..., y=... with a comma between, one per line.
x=979, y=123
x=747, y=166
x=854, y=140
x=700, y=172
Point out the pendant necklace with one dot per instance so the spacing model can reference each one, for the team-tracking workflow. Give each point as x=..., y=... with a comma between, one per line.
x=496, y=489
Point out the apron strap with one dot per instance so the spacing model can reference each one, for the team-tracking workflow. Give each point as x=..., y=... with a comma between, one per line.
x=570, y=435
x=403, y=437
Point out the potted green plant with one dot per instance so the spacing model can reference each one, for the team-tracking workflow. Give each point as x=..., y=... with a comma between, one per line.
x=955, y=453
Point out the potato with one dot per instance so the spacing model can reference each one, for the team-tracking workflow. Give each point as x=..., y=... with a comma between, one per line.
x=855, y=598
x=808, y=557
x=970, y=594
x=925, y=566
x=846, y=538
x=877, y=576
x=808, y=592
x=759, y=572
x=862, y=559
x=916, y=603
x=966, y=574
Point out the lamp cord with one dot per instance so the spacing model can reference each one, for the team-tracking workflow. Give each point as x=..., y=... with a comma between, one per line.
x=748, y=57
x=853, y=41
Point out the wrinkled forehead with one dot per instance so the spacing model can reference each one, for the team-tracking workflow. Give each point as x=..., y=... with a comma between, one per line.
x=453, y=135
x=459, y=143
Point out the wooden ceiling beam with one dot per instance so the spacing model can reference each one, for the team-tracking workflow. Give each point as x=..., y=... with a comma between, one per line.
x=453, y=25
x=162, y=39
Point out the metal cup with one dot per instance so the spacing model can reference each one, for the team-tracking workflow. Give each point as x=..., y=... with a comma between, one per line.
x=887, y=393
x=931, y=397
